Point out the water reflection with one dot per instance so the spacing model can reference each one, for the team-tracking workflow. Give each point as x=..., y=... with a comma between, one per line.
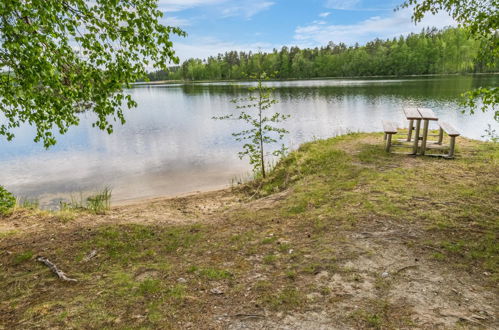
x=170, y=144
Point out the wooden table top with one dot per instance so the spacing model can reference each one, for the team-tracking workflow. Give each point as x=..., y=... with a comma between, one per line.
x=412, y=113
x=427, y=114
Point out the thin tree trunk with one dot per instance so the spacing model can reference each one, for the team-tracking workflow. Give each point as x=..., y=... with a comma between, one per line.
x=263, y=162
x=260, y=129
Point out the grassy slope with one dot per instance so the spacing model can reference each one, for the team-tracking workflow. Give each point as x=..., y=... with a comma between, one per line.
x=266, y=255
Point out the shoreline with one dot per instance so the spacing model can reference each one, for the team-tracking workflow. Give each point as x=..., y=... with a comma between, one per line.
x=187, y=82
x=152, y=199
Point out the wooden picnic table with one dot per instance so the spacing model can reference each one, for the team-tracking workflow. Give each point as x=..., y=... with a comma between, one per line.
x=418, y=115
x=424, y=115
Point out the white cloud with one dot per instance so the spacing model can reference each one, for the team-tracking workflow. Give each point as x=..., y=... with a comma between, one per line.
x=342, y=4
x=326, y=14
x=176, y=21
x=397, y=23
x=228, y=8
x=206, y=47
x=358, y=5
x=247, y=9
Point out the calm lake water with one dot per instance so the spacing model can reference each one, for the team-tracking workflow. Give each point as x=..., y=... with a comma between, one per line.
x=170, y=145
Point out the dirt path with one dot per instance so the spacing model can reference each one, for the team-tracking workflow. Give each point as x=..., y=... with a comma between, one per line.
x=388, y=277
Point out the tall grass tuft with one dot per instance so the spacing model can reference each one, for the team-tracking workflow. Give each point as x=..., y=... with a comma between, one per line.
x=98, y=203
x=101, y=202
x=28, y=203
x=74, y=204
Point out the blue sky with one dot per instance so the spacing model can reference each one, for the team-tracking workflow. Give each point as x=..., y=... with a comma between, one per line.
x=216, y=26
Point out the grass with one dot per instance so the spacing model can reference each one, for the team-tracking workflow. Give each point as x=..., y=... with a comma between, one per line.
x=22, y=257
x=446, y=196
x=149, y=286
x=214, y=274
x=268, y=254
x=97, y=203
x=29, y=208
x=7, y=234
x=287, y=298
x=177, y=291
x=380, y=314
x=100, y=202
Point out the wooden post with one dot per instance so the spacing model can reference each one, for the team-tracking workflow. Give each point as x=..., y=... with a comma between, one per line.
x=425, y=136
x=416, y=137
x=384, y=138
x=440, y=136
x=389, y=142
x=411, y=127
x=452, y=146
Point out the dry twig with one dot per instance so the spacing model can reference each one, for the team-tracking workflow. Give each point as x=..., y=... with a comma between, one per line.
x=54, y=269
x=89, y=256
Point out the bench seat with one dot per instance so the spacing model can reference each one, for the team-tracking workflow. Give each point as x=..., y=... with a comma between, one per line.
x=390, y=128
x=452, y=132
x=448, y=128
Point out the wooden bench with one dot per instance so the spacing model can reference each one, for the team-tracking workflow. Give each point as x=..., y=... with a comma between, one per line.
x=452, y=133
x=390, y=128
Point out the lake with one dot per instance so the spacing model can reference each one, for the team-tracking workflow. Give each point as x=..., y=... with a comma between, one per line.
x=170, y=144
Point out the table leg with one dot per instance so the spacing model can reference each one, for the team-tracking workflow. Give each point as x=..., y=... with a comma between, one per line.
x=416, y=137
x=425, y=136
x=409, y=134
x=389, y=143
x=452, y=146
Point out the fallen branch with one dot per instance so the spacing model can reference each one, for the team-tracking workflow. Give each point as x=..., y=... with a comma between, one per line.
x=432, y=248
x=89, y=256
x=257, y=190
x=404, y=268
x=248, y=316
x=461, y=317
x=55, y=270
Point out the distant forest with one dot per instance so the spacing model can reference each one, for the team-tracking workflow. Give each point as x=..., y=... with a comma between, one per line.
x=432, y=51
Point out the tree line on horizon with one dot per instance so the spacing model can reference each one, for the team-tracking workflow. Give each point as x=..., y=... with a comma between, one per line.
x=432, y=51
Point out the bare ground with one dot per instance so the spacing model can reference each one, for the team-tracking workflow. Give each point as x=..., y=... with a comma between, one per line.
x=380, y=272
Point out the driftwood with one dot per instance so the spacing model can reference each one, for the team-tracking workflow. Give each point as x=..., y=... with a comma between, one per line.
x=55, y=270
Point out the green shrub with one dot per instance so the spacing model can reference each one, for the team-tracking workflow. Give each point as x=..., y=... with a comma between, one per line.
x=7, y=201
